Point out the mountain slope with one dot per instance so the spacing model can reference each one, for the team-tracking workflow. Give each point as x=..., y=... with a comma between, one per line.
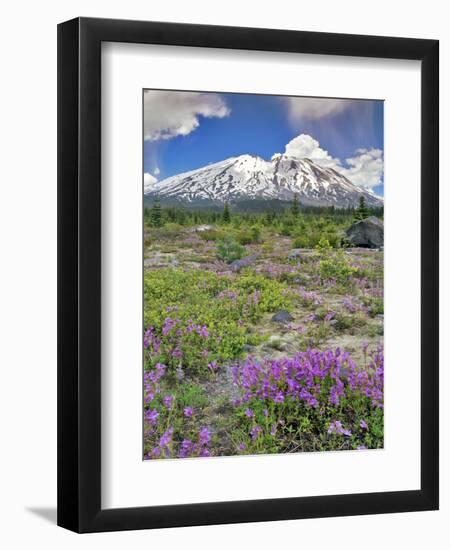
x=250, y=176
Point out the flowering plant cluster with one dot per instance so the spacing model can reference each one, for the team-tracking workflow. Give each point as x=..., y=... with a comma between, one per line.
x=317, y=400
x=195, y=318
x=171, y=428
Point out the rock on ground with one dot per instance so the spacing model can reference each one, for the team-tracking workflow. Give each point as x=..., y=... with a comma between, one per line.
x=203, y=227
x=367, y=233
x=282, y=316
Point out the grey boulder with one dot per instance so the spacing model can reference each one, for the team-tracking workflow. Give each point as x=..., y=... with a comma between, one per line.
x=367, y=233
x=282, y=316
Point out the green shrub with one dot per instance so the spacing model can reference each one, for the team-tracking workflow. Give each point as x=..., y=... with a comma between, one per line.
x=170, y=231
x=249, y=236
x=336, y=267
x=333, y=264
x=244, y=237
x=256, y=234
x=286, y=229
x=301, y=241
x=211, y=235
x=198, y=316
x=229, y=250
x=307, y=240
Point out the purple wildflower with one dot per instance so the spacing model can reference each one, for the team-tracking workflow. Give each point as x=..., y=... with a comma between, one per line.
x=185, y=449
x=279, y=397
x=169, y=324
x=329, y=315
x=337, y=428
x=202, y=331
x=151, y=415
x=155, y=453
x=166, y=438
x=168, y=401
x=204, y=436
x=255, y=432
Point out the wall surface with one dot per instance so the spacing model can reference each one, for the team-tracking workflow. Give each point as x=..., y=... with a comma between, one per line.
x=28, y=271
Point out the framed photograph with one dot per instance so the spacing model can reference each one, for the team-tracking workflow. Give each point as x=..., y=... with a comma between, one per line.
x=247, y=275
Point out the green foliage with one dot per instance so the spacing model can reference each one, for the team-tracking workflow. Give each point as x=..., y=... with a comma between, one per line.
x=374, y=304
x=287, y=227
x=210, y=316
x=212, y=235
x=276, y=344
x=255, y=231
x=226, y=217
x=269, y=217
x=244, y=237
x=310, y=235
x=270, y=294
x=170, y=231
x=301, y=241
x=362, y=211
x=313, y=336
x=333, y=264
x=336, y=268
x=310, y=218
x=192, y=395
x=295, y=208
x=250, y=235
x=229, y=250
x=156, y=214
x=323, y=246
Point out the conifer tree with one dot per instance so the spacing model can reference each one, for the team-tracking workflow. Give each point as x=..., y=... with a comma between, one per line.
x=226, y=218
x=295, y=208
x=156, y=213
x=361, y=212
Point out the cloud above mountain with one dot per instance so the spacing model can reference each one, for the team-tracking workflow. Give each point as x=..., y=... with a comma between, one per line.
x=365, y=168
x=171, y=114
x=149, y=181
x=315, y=108
x=305, y=146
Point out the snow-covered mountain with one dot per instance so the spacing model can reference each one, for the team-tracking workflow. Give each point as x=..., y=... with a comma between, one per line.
x=251, y=177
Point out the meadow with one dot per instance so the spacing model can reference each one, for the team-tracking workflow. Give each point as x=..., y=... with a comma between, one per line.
x=263, y=333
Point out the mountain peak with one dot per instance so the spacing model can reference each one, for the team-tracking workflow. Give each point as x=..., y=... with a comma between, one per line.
x=250, y=176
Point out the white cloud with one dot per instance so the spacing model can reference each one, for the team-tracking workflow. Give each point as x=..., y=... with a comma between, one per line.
x=314, y=108
x=149, y=181
x=365, y=169
x=171, y=114
x=305, y=146
x=156, y=171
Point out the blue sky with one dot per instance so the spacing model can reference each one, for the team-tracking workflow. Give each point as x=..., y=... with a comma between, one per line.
x=188, y=130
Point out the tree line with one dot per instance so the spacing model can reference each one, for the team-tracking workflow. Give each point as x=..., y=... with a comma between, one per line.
x=157, y=216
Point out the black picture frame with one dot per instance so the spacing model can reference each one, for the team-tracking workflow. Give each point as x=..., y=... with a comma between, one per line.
x=79, y=274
